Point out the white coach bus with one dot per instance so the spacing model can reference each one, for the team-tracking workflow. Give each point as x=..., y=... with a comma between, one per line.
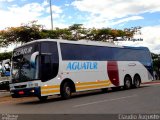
x=46, y=67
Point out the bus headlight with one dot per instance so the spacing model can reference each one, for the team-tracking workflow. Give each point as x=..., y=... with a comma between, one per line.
x=32, y=91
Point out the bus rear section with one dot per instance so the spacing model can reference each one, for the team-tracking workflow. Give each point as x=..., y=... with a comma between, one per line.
x=90, y=75
x=99, y=66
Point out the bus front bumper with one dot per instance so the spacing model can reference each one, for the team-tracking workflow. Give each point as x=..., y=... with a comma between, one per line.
x=26, y=92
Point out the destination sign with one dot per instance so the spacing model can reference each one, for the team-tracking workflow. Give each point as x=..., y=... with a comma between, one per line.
x=22, y=51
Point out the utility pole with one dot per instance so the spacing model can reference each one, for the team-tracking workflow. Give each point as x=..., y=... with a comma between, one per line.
x=51, y=14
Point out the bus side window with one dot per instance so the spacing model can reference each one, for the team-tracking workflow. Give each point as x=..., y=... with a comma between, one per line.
x=46, y=67
x=49, y=60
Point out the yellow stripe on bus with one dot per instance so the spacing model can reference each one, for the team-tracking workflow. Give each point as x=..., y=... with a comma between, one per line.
x=50, y=91
x=92, y=87
x=79, y=86
x=50, y=87
x=90, y=83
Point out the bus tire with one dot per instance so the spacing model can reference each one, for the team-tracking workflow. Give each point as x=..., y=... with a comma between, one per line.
x=136, y=81
x=43, y=98
x=66, y=91
x=127, y=82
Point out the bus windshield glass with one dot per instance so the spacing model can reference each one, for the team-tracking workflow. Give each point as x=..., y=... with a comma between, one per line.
x=24, y=67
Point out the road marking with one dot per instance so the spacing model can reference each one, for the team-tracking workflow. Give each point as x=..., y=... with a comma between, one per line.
x=101, y=101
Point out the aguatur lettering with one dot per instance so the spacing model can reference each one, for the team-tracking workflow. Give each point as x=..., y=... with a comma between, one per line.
x=82, y=66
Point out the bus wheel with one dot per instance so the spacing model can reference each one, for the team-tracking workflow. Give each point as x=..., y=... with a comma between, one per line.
x=127, y=82
x=66, y=91
x=43, y=98
x=137, y=81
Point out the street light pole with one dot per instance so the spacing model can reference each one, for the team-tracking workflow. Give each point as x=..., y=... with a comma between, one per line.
x=51, y=14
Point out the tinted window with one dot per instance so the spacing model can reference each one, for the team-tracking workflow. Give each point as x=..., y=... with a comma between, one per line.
x=102, y=53
x=85, y=52
x=49, y=60
x=130, y=54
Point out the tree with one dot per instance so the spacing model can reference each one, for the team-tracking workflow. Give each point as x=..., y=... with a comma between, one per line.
x=3, y=41
x=64, y=33
x=130, y=32
x=49, y=34
x=24, y=33
x=106, y=34
x=91, y=34
x=5, y=55
x=156, y=63
x=33, y=31
x=56, y=34
x=78, y=31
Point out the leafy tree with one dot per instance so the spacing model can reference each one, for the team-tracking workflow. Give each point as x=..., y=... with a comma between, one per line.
x=64, y=33
x=22, y=34
x=155, y=58
x=3, y=41
x=130, y=32
x=49, y=34
x=78, y=31
x=156, y=63
x=33, y=31
x=91, y=34
x=5, y=55
x=56, y=34
x=105, y=34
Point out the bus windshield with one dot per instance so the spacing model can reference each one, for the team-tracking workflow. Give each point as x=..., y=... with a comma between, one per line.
x=38, y=61
x=24, y=64
x=22, y=69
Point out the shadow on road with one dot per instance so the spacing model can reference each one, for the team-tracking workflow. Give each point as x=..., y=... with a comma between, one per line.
x=57, y=98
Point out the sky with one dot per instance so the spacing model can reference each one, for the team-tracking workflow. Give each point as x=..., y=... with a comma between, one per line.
x=117, y=14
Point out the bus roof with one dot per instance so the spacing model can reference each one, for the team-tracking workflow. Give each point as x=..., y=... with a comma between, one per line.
x=137, y=48
x=83, y=42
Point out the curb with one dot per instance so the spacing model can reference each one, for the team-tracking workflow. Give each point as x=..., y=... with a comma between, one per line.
x=151, y=83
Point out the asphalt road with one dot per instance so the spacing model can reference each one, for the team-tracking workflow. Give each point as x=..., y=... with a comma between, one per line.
x=144, y=100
